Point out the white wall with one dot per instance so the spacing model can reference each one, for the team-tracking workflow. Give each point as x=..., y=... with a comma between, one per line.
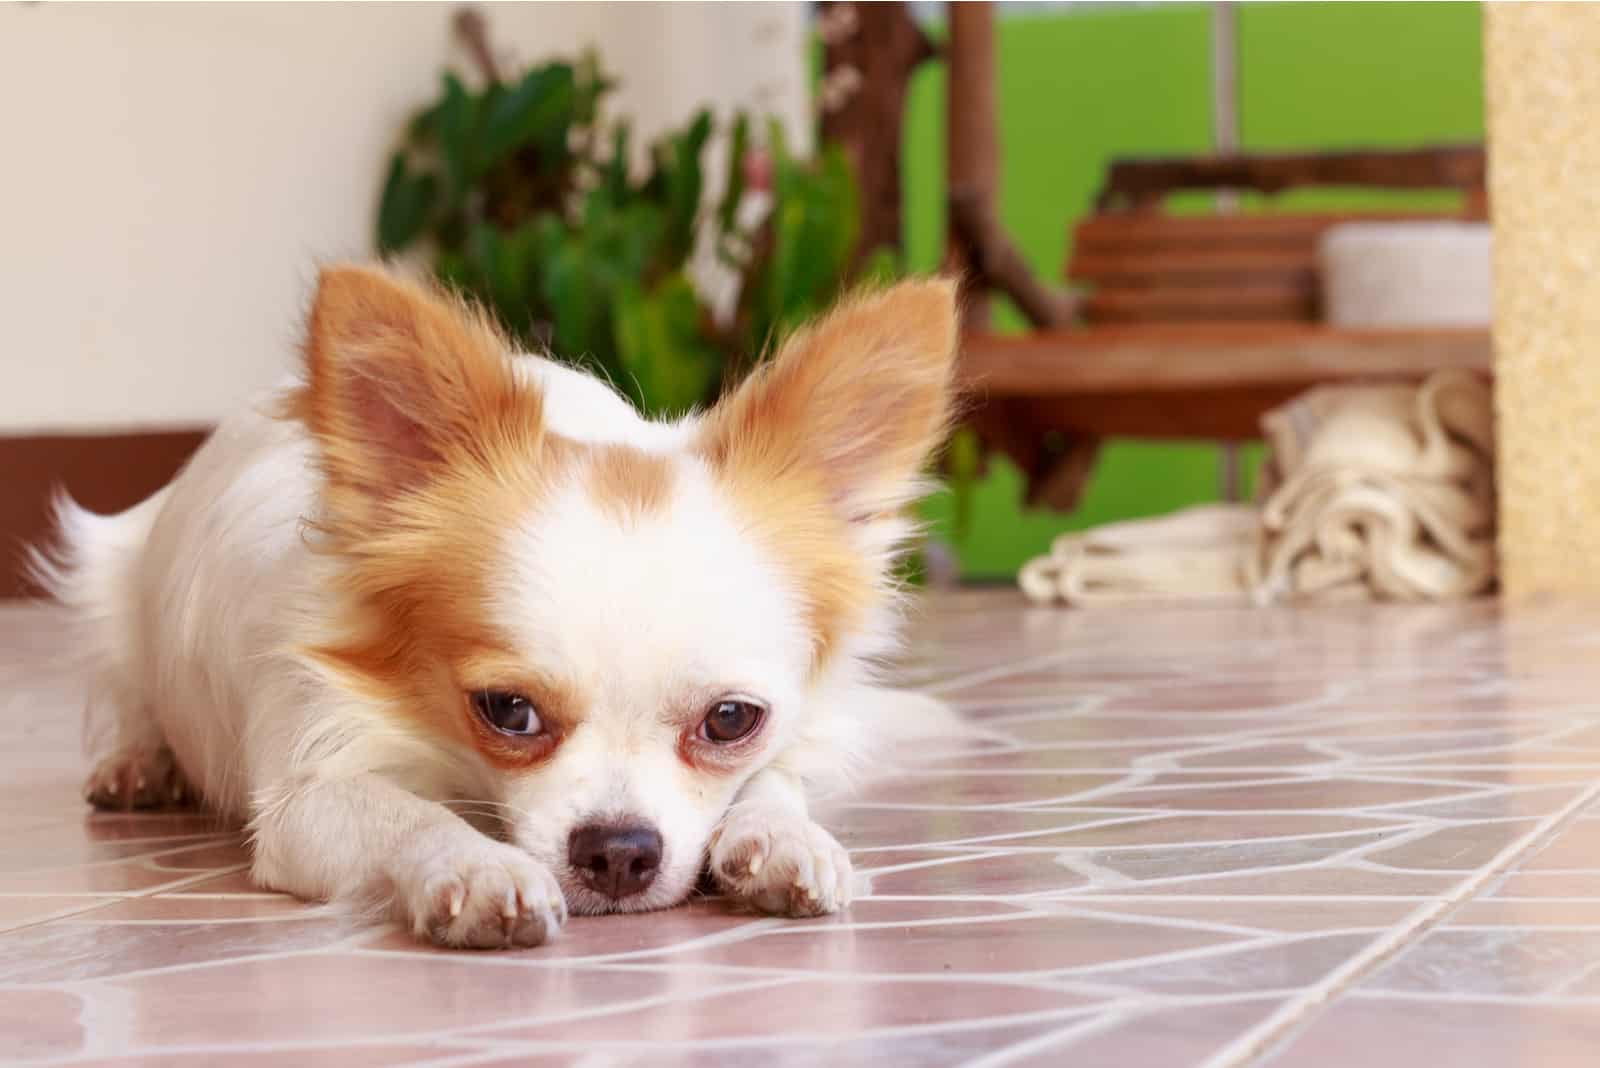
x=171, y=174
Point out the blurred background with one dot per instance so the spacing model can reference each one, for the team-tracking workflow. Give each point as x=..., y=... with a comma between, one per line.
x=176, y=172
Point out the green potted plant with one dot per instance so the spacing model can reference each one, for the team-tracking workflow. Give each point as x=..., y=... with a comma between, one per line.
x=519, y=194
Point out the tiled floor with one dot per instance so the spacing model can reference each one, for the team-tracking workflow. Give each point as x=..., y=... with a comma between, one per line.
x=1324, y=837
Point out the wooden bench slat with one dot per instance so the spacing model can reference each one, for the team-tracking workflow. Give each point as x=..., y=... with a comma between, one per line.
x=1257, y=302
x=1160, y=357
x=1222, y=266
x=1144, y=231
x=1434, y=167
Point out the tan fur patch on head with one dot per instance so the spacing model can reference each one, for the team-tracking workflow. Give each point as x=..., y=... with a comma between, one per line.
x=415, y=632
x=832, y=434
x=629, y=483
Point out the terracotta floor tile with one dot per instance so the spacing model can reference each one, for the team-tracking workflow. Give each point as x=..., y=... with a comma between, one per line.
x=1331, y=881
x=20, y=910
x=1462, y=848
x=1348, y=834
x=1561, y=884
x=1528, y=912
x=118, y=877
x=1025, y=873
x=929, y=1046
x=233, y=882
x=1026, y=944
x=1292, y=916
x=820, y=1009
x=866, y=826
x=41, y=1023
x=192, y=909
x=1301, y=795
x=1159, y=1037
x=1492, y=962
x=324, y=996
x=1467, y=1034
x=340, y=1056
x=79, y=948
x=1575, y=848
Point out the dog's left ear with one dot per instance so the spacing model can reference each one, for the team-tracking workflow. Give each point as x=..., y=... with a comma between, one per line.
x=403, y=380
x=853, y=404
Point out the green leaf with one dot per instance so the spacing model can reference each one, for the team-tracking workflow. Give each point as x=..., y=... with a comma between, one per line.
x=452, y=269
x=614, y=174
x=508, y=263
x=592, y=86
x=578, y=302
x=963, y=464
x=738, y=148
x=679, y=164
x=880, y=267
x=662, y=346
x=815, y=228
x=538, y=111
x=454, y=122
x=407, y=203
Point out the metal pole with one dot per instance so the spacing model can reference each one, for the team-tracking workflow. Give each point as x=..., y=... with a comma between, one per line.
x=1225, y=140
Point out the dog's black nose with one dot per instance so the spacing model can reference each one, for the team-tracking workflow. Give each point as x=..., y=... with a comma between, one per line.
x=614, y=860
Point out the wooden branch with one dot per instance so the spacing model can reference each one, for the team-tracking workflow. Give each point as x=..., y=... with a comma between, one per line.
x=994, y=262
x=972, y=147
x=473, y=29
x=1140, y=182
x=1057, y=466
x=870, y=52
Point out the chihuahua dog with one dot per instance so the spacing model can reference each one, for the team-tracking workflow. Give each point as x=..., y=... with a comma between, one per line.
x=456, y=631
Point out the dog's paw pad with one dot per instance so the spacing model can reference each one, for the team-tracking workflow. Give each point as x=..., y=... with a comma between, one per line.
x=779, y=863
x=488, y=896
x=139, y=777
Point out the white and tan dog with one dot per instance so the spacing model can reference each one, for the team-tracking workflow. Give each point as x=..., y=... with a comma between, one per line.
x=433, y=586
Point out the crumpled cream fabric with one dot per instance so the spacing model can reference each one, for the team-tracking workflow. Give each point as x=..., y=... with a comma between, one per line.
x=1369, y=491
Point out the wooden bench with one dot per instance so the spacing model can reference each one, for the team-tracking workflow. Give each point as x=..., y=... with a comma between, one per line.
x=1193, y=326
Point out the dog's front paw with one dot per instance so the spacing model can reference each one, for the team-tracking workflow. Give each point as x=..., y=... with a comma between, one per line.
x=138, y=777
x=778, y=862
x=479, y=894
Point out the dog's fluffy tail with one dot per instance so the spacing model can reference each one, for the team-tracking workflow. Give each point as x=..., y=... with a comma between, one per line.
x=91, y=568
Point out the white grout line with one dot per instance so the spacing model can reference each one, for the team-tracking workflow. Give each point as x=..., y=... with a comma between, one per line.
x=1273, y=1033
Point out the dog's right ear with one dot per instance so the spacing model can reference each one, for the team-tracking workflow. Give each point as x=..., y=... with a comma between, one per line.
x=403, y=380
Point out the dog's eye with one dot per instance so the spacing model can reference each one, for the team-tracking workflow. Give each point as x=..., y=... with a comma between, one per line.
x=730, y=720
x=509, y=713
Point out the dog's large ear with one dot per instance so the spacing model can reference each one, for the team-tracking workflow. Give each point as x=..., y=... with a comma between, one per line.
x=401, y=380
x=854, y=404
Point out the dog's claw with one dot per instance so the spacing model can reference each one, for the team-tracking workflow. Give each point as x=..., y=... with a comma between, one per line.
x=138, y=776
x=778, y=862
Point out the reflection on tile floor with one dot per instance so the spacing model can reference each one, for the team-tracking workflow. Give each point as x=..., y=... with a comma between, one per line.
x=1323, y=837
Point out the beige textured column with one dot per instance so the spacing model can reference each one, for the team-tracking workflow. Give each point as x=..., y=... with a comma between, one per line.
x=1543, y=82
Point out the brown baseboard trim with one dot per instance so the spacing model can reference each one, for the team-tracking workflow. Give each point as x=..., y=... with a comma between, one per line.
x=103, y=472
